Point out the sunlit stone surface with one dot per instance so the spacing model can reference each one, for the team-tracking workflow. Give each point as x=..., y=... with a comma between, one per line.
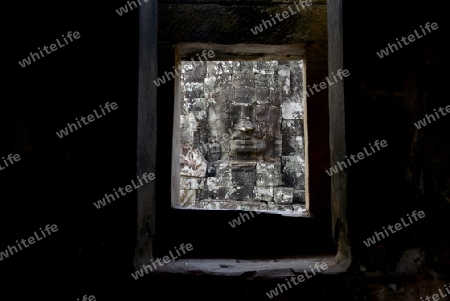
x=242, y=137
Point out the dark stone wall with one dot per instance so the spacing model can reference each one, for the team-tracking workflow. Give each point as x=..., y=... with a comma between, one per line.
x=57, y=180
x=384, y=98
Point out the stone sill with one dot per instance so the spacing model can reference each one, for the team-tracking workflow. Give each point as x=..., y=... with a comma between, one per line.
x=221, y=2
x=251, y=269
x=303, y=213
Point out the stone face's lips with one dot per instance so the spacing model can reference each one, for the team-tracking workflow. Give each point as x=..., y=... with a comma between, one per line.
x=247, y=146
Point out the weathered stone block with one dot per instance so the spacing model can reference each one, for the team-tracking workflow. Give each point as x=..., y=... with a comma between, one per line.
x=215, y=85
x=195, y=104
x=293, y=168
x=275, y=96
x=186, y=135
x=263, y=193
x=299, y=197
x=201, y=140
x=225, y=150
x=268, y=174
x=296, y=163
x=264, y=80
x=194, y=90
x=221, y=192
x=269, y=122
x=244, y=94
x=268, y=114
x=226, y=95
x=284, y=79
x=187, y=197
x=214, y=151
x=296, y=97
x=242, y=193
x=211, y=169
x=223, y=125
x=183, y=107
x=244, y=66
x=186, y=130
x=192, y=162
x=200, y=116
x=212, y=182
x=191, y=69
x=262, y=94
x=293, y=145
x=243, y=79
x=293, y=142
x=193, y=78
x=243, y=175
x=218, y=111
x=266, y=67
x=187, y=183
x=248, y=146
x=219, y=68
x=296, y=77
x=268, y=131
x=201, y=195
x=279, y=207
x=277, y=148
x=292, y=110
x=283, y=195
x=221, y=173
x=293, y=127
x=224, y=136
x=301, y=208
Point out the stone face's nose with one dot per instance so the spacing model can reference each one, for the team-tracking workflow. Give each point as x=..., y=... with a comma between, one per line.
x=245, y=125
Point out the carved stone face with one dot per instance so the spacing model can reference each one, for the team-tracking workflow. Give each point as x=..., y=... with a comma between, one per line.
x=251, y=131
x=234, y=126
x=244, y=142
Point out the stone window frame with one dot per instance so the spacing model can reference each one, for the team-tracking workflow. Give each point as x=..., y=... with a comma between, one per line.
x=146, y=160
x=236, y=52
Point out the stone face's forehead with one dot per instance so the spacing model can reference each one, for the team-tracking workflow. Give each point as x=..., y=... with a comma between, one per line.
x=242, y=134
